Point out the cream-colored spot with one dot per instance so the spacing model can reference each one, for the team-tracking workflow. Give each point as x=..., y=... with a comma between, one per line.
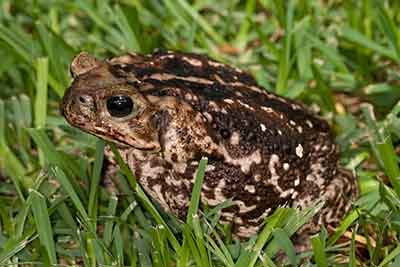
x=219, y=79
x=286, y=193
x=149, y=171
x=167, y=56
x=243, y=208
x=299, y=150
x=181, y=200
x=256, y=89
x=238, y=220
x=245, y=105
x=267, y=109
x=215, y=64
x=286, y=166
x=214, y=106
x=279, y=132
x=297, y=182
x=227, y=216
x=263, y=128
x=237, y=70
x=166, y=77
x=238, y=93
x=299, y=129
x=295, y=107
x=200, y=118
x=210, y=168
x=257, y=177
x=250, y=188
x=235, y=138
x=274, y=160
x=188, y=96
x=219, y=197
x=316, y=170
x=180, y=167
x=292, y=123
x=229, y=101
x=309, y=123
x=193, y=61
x=247, y=231
x=208, y=116
x=244, y=162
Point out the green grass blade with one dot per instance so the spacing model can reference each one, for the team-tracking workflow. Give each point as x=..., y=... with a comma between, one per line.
x=249, y=259
x=331, y=54
x=201, y=21
x=49, y=42
x=18, y=43
x=286, y=245
x=95, y=180
x=11, y=165
x=319, y=252
x=389, y=28
x=196, y=192
x=118, y=245
x=15, y=245
x=390, y=162
x=108, y=225
x=42, y=221
x=345, y=224
x=132, y=43
x=285, y=55
x=69, y=189
x=243, y=35
x=361, y=40
x=323, y=90
x=41, y=97
x=352, y=257
x=393, y=254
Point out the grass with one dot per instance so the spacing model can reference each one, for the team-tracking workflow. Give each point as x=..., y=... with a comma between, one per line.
x=340, y=57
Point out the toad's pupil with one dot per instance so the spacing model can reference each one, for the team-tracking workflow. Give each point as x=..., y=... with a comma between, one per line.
x=119, y=106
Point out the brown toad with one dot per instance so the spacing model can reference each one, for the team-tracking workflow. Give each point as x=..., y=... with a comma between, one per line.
x=169, y=109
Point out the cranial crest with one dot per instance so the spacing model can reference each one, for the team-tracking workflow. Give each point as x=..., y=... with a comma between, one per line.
x=83, y=63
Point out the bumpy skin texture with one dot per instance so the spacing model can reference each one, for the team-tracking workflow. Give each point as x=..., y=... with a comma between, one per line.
x=264, y=151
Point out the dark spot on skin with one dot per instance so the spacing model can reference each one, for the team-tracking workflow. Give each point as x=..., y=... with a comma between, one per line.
x=160, y=120
x=174, y=157
x=224, y=133
x=82, y=100
x=155, y=121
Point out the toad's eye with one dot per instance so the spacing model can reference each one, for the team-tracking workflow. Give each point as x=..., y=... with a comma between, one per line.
x=119, y=106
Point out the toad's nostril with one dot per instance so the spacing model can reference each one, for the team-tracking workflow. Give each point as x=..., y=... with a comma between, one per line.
x=85, y=99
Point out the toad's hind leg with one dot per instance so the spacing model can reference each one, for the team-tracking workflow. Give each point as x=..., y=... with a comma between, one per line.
x=339, y=195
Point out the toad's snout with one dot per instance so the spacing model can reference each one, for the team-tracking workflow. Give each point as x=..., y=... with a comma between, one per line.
x=85, y=103
x=78, y=107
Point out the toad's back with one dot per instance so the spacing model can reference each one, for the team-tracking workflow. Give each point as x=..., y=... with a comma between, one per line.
x=263, y=150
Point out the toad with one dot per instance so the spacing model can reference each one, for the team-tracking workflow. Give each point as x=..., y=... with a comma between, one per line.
x=167, y=110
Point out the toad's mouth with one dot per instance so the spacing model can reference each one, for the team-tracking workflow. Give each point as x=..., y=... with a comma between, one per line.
x=124, y=142
x=113, y=134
